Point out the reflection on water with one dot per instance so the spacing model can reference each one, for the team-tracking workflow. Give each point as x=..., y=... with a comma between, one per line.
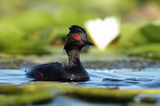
x=125, y=79
x=121, y=78
x=67, y=101
x=13, y=76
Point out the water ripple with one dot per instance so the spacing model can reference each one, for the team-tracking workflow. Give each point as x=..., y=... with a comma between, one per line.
x=121, y=78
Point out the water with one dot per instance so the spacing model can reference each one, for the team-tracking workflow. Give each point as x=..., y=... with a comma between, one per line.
x=123, y=78
x=13, y=76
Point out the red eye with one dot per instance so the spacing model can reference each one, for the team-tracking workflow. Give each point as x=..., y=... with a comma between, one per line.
x=78, y=37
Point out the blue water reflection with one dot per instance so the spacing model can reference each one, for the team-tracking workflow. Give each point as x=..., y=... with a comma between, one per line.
x=121, y=78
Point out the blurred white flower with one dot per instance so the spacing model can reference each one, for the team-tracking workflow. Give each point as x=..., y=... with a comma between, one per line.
x=104, y=31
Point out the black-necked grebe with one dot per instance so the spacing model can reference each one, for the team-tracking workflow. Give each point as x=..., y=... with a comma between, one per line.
x=74, y=70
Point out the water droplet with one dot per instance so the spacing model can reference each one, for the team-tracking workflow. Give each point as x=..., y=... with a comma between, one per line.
x=90, y=46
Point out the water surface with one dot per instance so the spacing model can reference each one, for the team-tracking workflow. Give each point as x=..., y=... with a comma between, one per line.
x=121, y=78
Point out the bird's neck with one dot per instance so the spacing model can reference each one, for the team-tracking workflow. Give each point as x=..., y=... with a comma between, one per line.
x=74, y=57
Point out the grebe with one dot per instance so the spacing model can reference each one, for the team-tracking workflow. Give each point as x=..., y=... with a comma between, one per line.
x=74, y=70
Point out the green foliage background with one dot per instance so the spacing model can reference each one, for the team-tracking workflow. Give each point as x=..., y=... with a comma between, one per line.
x=29, y=26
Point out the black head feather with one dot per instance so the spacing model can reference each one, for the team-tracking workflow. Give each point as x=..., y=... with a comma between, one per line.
x=72, y=40
x=76, y=29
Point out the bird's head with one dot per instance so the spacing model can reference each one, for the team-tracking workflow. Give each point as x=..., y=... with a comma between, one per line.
x=77, y=38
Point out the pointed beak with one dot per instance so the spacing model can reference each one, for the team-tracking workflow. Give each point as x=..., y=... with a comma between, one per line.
x=89, y=43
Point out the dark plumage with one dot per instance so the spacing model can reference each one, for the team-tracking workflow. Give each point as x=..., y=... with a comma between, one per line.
x=74, y=70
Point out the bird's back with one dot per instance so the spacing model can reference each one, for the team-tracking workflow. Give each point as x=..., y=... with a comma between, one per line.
x=45, y=71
